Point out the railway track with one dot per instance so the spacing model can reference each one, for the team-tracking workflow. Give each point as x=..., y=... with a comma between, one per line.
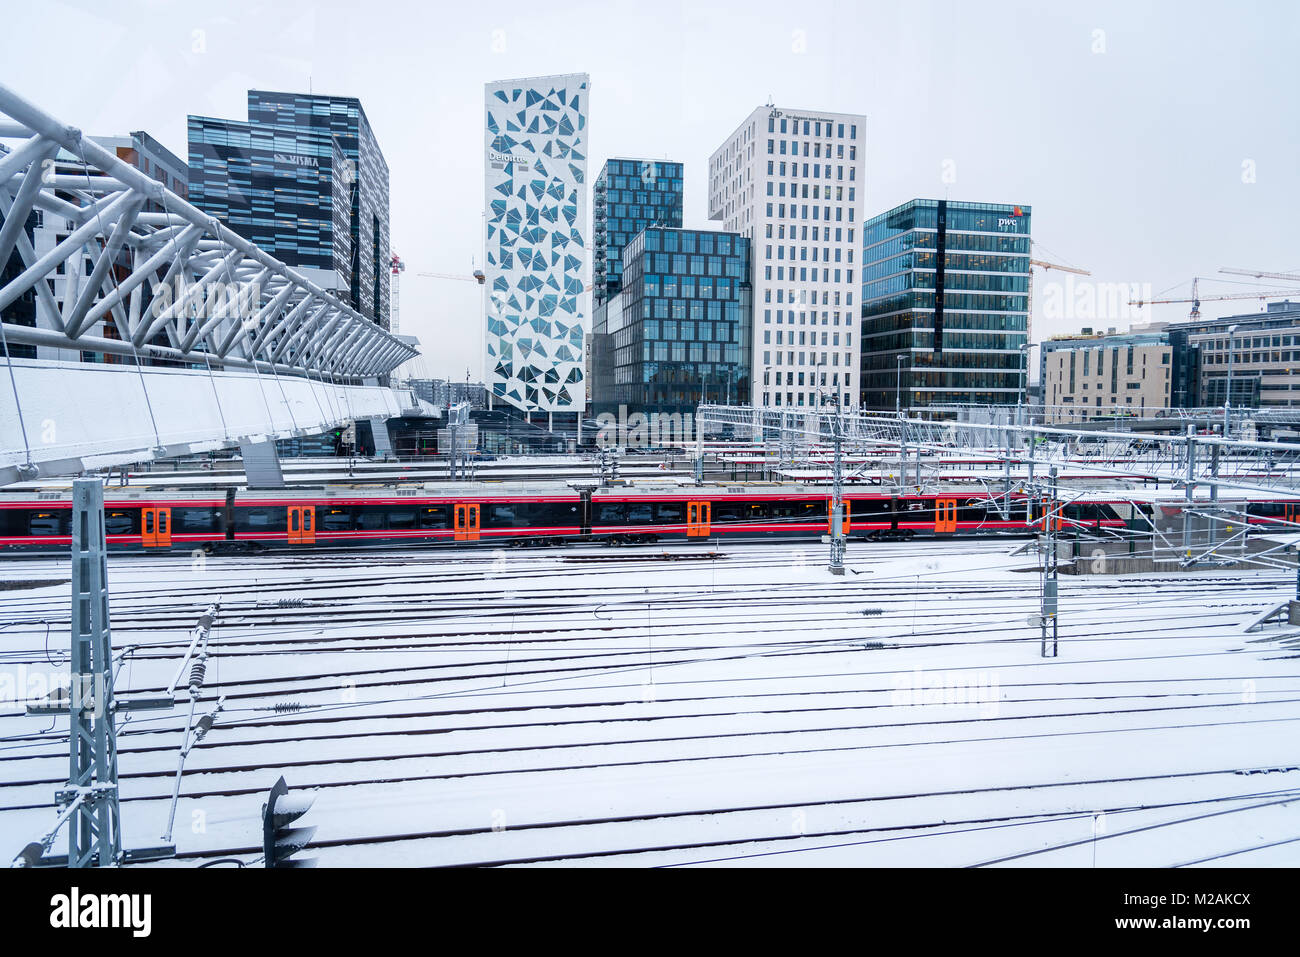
x=630, y=710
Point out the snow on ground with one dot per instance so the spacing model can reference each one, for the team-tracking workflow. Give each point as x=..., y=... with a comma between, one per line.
x=477, y=706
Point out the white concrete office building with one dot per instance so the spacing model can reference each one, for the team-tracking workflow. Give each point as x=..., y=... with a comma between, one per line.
x=792, y=181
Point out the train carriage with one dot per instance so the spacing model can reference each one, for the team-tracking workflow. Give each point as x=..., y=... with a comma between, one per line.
x=149, y=520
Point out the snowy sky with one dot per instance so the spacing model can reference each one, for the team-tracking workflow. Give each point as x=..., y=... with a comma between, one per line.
x=1156, y=141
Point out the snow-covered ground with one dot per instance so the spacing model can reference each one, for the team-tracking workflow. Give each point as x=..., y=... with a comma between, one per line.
x=588, y=707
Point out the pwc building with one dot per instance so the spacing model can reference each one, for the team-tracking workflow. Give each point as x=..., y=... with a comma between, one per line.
x=535, y=161
x=303, y=177
x=945, y=304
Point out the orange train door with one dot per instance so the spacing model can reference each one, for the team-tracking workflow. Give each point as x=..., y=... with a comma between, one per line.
x=156, y=527
x=945, y=515
x=467, y=523
x=846, y=522
x=697, y=519
x=302, y=527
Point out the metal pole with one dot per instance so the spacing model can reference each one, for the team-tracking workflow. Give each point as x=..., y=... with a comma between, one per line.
x=1227, y=395
x=1049, y=647
x=1191, y=487
x=96, y=828
x=898, y=389
x=837, y=501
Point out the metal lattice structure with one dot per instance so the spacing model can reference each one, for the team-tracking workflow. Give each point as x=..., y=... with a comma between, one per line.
x=1180, y=459
x=167, y=280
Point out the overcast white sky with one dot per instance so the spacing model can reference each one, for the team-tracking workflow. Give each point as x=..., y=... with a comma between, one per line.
x=1132, y=127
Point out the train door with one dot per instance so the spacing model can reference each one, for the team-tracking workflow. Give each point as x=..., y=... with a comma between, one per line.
x=1293, y=512
x=156, y=527
x=302, y=525
x=945, y=515
x=467, y=520
x=845, y=523
x=697, y=519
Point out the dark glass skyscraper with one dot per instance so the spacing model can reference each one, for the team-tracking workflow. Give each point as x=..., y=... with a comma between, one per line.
x=945, y=304
x=630, y=194
x=304, y=178
x=680, y=319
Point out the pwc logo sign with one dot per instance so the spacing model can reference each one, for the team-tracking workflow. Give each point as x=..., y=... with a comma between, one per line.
x=1012, y=223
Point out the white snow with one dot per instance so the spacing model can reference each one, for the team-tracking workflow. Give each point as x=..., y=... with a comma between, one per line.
x=480, y=706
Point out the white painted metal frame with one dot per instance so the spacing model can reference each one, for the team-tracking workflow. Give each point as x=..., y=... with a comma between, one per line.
x=269, y=317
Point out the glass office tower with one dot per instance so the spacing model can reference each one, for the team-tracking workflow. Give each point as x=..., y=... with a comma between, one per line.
x=304, y=178
x=683, y=313
x=945, y=304
x=629, y=195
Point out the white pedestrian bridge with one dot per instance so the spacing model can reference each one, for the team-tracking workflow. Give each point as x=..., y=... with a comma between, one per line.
x=208, y=341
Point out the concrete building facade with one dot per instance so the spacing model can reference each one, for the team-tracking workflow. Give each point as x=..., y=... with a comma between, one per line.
x=1089, y=377
x=793, y=183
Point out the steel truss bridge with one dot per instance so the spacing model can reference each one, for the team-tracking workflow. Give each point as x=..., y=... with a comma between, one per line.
x=209, y=341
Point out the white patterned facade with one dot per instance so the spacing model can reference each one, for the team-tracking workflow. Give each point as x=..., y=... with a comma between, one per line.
x=536, y=256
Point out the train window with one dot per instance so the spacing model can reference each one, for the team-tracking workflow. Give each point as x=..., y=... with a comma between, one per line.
x=262, y=518
x=120, y=522
x=330, y=518
x=1266, y=509
x=432, y=516
x=401, y=518
x=805, y=510
x=976, y=510
x=506, y=516
x=639, y=513
x=195, y=519
x=50, y=523
x=610, y=513
x=670, y=512
x=13, y=521
x=371, y=518
x=868, y=510
x=736, y=512
x=551, y=514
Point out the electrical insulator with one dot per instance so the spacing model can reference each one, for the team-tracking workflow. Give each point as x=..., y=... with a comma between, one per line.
x=197, y=672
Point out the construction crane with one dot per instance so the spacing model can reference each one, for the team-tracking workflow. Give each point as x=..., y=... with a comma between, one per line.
x=1196, y=299
x=395, y=293
x=477, y=276
x=1261, y=274
x=1043, y=264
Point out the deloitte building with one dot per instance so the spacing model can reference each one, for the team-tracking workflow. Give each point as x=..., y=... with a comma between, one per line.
x=536, y=255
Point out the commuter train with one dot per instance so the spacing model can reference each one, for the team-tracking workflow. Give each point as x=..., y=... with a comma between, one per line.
x=254, y=520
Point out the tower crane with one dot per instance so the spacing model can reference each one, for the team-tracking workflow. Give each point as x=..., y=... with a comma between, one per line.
x=1043, y=264
x=1261, y=274
x=1197, y=299
x=477, y=276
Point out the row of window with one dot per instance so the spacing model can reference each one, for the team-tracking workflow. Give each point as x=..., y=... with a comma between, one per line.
x=810, y=127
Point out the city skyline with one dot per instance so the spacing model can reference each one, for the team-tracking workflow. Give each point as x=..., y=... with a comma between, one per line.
x=1140, y=167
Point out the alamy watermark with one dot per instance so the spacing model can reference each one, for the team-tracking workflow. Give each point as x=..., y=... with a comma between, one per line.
x=1083, y=299
x=639, y=431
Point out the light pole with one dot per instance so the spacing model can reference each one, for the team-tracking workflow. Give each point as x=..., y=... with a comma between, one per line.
x=1227, y=396
x=1024, y=379
x=898, y=388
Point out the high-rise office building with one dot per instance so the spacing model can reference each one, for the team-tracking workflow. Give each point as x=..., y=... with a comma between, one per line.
x=536, y=256
x=628, y=196
x=791, y=181
x=945, y=304
x=675, y=327
x=304, y=178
